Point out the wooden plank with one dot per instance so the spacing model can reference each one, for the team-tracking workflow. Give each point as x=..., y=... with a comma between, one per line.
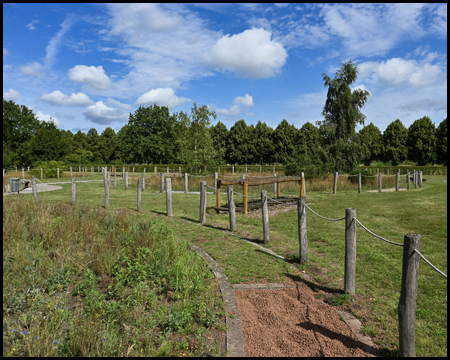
x=255, y=182
x=245, y=198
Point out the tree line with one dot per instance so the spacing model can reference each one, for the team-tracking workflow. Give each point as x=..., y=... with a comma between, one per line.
x=155, y=136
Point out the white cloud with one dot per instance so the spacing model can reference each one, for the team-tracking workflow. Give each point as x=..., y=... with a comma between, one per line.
x=53, y=45
x=30, y=26
x=249, y=54
x=161, y=97
x=396, y=71
x=91, y=76
x=11, y=95
x=116, y=103
x=101, y=113
x=239, y=104
x=60, y=99
x=426, y=105
x=32, y=69
x=48, y=118
x=5, y=53
x=246, y=100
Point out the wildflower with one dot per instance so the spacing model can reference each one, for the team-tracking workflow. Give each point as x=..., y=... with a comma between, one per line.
x=104, y=339
x=56, y=342
x=56, y=306
x=15, y=330
x=35, y=337
x=25, y=332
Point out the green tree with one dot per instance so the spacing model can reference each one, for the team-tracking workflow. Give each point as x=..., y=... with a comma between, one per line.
x=309, y=136
x=441, y=143
x=372, y=138
x=19, y=127
x=108, y=145
x=264, y=146
x=48, y=144
x=341, y=116
x=81, y=141
x=285, y=137
x=151, y=136
x=238, y=144
x=219, y=135
x=394, y=141
x=421, y=141
x=313, y=162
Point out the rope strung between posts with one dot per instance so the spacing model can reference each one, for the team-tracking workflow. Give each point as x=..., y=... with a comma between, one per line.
x=379, y=237
x=434, y=267
x=282, y=203
x=322, y=216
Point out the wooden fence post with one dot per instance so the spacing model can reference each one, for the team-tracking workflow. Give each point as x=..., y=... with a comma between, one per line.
x=232, y=169
x=155, y=170
x=350, y=251
x=179, y=170
x=133, y=172
x=359, y=183
x=33, y=185
x=109, y=178
x=57, y=173
x=143, y=181
x=243, y=175
x=379, y=182
x=73, y=190
x=115, y=179
x=275, y=192
x=107, y=193
x=420, y=178
x=302, y=233
x=303, y=184
x=397, y=182
x=387, y=171
x=246, y=171
x=28, y=169
x=186, y=189
x=126, y=180
x=335, y=182
x=167, y=170
x=408, y=296
x=265, y=216
x=169, y=196
x=407, y=180
x=139, y=197
x=42, y=174
x=202, y=202
x=23, y=173
x=92, y=171
x=79, y=169
x=245, y=198
x=162, y=183
x=231, y=208
x=71, y=173
x=215, y=182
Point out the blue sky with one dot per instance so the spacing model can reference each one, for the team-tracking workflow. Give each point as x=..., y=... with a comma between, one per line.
x=90, y=65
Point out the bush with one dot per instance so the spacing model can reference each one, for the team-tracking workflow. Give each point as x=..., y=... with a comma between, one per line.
x=49, y=167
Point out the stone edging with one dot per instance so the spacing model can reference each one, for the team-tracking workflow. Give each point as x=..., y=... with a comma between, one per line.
x=235, y=336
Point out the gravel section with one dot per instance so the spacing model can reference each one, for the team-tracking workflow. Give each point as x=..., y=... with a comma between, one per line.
x=293, y=322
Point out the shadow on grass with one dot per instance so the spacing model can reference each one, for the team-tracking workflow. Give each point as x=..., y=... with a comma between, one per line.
x=158, y=212
x=315, y=287
x=190, y=219
x=347, y=341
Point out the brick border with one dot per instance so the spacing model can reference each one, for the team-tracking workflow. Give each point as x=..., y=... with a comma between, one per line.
x=235, y=335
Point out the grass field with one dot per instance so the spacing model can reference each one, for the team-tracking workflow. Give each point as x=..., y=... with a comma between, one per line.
x=378, y=274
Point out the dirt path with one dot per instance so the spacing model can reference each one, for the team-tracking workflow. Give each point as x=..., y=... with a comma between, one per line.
x=293, y=322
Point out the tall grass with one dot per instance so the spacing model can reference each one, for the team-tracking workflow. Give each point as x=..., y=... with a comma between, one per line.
x=86, y=282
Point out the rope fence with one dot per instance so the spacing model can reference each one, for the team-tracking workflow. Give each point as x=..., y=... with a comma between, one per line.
x=323, y=217
x=379, y=237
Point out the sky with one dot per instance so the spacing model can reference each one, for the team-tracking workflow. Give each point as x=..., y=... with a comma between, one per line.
x=86, y=66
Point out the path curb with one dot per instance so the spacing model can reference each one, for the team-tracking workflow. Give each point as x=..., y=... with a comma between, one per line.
x=235, y=335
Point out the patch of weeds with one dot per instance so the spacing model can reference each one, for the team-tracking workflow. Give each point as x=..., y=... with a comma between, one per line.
x=370, y=330
x=338, y=299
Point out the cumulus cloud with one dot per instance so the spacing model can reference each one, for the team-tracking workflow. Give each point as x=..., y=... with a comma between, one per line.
x=239, y=104
x=32, y=69
x=48, y=118
x=60, y=99
x=249, y=54
x=92, y=76
x=427, y=104
x=11, y=95
x=101, y=113
x=5, y=53
x=396, y=71
x=161, y=97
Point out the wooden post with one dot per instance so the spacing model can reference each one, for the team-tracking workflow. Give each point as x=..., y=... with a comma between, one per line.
x=350, y=251
x=407, y=180
x=304, y=183
x=302, y=187
x=245, y=198
x=71, y=174
x=246, y=171
x=359, y=183
x=218, y=197
x=233, y=169
x=109, y=179
x=387, y=171
x=57, y=173
x=378, y=171
x=243, y=175
x=162, y=183
x=79, y=169
x=42, y=174
x=123, y=172
x=167, y=170
x=73, y=191
x=416, y=179
x=278, y=190
x=143, y=181
x=420, y=178
x=139, y=197
x=265, y=216
x=379, y=182
x=408, y=296
x=107, y=193
x=186, y=190
x=28, y=169
x=335, y=182
x=275, y=192
x=302, y=233
x=33, y=185
x=397, y=182
x=23, y=173
x=126, y=180
x=133, y=172
x=179, y=170
x=169, y=196
x=215, y=182
x=202, y=202
x=231, y=208
x=155, y=169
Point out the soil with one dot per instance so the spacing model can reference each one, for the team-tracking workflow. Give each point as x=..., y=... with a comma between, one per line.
x=293, y=322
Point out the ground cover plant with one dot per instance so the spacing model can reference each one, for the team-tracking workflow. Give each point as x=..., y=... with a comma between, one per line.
x=378, y=273
x=80, y=281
